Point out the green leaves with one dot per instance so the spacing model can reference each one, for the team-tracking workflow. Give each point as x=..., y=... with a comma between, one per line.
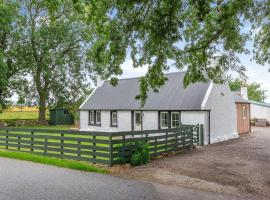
x=161, y=34
x=255, y=92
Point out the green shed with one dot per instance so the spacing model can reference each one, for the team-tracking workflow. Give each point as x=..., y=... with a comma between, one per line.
x=60, y=117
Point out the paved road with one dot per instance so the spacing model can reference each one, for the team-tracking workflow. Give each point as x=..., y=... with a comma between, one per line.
x=21, y=180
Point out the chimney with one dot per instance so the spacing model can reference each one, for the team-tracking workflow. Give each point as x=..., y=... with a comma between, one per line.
x=99, y=81
x=244, y=92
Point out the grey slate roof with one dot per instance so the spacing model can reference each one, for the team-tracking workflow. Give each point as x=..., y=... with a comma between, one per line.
x=171, y=96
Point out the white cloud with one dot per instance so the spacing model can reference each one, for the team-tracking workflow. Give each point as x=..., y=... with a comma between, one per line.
x=129, y=71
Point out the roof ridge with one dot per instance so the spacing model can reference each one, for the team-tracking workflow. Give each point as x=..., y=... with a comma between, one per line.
x=170, y=73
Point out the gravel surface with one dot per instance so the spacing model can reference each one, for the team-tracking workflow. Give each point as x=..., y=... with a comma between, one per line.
x=240, y=167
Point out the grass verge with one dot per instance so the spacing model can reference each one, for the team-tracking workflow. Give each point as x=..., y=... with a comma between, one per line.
x=52, y=161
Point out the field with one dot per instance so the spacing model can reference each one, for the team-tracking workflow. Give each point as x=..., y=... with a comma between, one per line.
x=16, y=112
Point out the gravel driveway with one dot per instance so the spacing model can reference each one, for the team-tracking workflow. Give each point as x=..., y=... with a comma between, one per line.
x=240, y=167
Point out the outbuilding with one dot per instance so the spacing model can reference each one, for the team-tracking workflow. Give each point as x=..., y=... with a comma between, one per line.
x=59, y=116
x=111, y=108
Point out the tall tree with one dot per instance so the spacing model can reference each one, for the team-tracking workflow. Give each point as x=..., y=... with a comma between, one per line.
x=54, y=49
x=255, y=91
x=10, y=67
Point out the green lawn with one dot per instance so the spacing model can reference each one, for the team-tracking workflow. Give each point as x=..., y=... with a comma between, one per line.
x=83, y=166
x=58, y=141
x=20, y=115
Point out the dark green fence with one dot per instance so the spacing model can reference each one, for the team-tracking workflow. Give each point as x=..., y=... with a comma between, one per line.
x=98, y=147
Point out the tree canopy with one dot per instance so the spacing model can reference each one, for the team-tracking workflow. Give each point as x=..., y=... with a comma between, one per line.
x=49, y=48
x=10, y=68
x=186, y=34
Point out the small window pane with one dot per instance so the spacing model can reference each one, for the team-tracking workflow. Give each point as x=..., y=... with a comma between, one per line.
x=138, y=118
x=164, y=120
x=92, y=117
x=175, y=119
x=114, y=118
x=98, y=117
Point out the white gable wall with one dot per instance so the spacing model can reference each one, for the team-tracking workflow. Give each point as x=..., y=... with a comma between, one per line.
x=223, y=116
x=259, y=112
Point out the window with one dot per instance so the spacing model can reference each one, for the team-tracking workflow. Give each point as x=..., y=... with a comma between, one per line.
x=164, y=119
x=175, y=116
x=113, y=118
x=98, y=117
x=91, y=117
x=94, y=117
x=244, y=112
x=138, y=118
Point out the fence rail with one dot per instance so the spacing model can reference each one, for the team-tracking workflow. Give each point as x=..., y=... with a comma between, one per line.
x=98, y=147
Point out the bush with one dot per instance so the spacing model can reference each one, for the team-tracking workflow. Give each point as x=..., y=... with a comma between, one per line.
x=140, y=154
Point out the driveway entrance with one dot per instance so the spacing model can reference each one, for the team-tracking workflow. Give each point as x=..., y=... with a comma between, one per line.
x=239, y=166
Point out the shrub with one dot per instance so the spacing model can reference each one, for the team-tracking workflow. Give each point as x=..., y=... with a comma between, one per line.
x=140, y=154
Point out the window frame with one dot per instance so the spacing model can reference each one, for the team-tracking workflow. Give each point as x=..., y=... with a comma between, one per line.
x=114, y=124
x=179, y=120
x=140, y=123
x=93, y=118
x=96, y=117
x=166, y=120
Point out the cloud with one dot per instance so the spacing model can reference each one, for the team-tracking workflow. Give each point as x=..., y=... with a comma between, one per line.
x=129, y=71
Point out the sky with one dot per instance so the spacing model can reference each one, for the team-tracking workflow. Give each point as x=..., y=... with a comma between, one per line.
x=255, y=72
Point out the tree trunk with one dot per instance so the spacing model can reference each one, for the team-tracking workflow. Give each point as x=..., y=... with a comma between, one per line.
x=42, y=110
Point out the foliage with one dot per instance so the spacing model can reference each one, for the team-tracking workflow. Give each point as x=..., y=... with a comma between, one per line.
x=202, y=37
x=10, y=67
x=255, y=92
x=140, y=154
x=52, y=161
x=261, y=24
x=54, y=48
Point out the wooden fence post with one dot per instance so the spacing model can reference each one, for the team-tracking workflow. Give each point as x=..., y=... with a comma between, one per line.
x=19, y=146
x=79, y=148
x=32, y=140
x=110, y=152
x=94, y=148
x=62, y=143
x=45, y=145
x=201, y=135
x=7, y=141
x=166, y=141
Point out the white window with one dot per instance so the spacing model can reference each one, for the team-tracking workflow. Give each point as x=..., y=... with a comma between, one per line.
x=244, y=112
x=175, y=117
x=164, y=119
x=98, y=117
x=114, y=118
x=91, y=117
x=138, y=118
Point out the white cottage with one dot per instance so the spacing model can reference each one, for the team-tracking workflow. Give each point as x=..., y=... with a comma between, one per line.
x=111, y=108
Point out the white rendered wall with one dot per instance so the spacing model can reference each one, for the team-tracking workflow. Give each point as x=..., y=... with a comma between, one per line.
x=124, y=122
x=194, y=118
x=150, y=120
x=223, y=114
x=259, y=112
